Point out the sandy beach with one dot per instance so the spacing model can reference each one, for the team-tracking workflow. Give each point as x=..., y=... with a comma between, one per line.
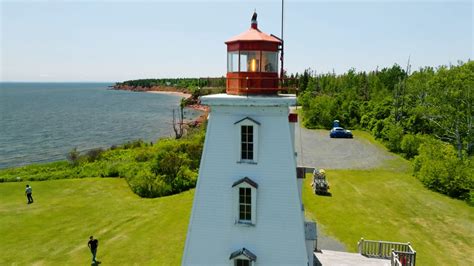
x=185, y=95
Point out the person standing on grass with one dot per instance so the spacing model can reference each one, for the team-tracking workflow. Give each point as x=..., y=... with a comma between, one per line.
x=28, y=193
x=93, y=244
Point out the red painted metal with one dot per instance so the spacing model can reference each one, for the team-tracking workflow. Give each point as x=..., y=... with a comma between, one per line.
x=253, y=35
x=293, y=118
x=252, y=46
x=246, y=83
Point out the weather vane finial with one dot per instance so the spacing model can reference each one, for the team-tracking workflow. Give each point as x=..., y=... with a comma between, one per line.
x=253, y=22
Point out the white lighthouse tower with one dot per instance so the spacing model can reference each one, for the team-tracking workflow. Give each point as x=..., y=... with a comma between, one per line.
x=247, y=206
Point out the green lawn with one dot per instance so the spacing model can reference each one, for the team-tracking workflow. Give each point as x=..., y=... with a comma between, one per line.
x=387, y=205
x=55, y=229
x=374, y=204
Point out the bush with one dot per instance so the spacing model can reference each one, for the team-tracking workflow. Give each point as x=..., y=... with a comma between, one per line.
x=93, y=155
x=147, y=185
x=73, y=157
x=134, y=144
x=392, y=134
x=410, y=145
x=439, y=169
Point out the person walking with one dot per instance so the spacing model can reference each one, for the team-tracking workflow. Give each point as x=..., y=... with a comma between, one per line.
x=93, y=244
x=28, y=193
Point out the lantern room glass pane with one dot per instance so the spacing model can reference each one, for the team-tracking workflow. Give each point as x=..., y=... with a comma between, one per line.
x=270, y=61
x=233, y=62
x=249, y=61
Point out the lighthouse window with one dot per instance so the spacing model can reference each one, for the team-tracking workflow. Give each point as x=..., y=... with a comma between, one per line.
x=247, y=143
x=270, y=61
x=233, y=62
x=240, y=262
x=250, y=61
x=245, y=201
x=245, y=204
x=246, y=140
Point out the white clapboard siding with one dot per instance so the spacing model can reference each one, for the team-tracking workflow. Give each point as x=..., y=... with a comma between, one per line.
x=278, y=235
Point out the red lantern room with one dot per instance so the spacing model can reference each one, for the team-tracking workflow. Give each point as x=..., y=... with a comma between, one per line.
x=252, y=62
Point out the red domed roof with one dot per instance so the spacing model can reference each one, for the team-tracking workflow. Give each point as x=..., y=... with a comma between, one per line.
x=253, y=34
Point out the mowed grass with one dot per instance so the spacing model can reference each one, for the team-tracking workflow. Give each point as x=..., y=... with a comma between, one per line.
x=379, y=204
x=383, y=204
x=55, y=229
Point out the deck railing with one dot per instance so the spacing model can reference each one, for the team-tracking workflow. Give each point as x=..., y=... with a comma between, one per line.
x=399, y=253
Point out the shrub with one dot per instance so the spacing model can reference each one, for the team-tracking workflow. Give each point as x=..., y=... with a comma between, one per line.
x=73, y=157
x=93, y=155
x=439, y=169
x=134, y=144
x=410, y=145
x=144, y=155
x=392, y=134
x=147, y=185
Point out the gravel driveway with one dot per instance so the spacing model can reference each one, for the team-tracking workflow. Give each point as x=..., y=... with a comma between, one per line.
x=316, y=149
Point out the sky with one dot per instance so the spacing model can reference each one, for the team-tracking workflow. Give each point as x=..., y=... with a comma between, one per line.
x=113, y=41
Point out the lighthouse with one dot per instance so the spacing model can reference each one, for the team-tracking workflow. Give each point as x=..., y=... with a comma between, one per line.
x=247, y=207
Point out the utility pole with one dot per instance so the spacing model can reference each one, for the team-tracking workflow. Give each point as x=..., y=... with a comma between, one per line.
x=282, y=42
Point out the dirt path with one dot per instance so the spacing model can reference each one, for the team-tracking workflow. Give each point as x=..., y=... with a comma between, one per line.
x=316, y=149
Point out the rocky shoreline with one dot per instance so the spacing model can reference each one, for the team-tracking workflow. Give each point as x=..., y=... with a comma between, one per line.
x=192, y=103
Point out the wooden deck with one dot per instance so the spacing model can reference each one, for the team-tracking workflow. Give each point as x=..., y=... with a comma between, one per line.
x=329, y=258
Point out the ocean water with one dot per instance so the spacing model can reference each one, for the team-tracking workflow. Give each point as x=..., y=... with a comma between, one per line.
x=42, y=122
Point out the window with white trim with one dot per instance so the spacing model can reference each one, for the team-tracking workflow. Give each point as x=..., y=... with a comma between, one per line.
x=245, y=204
x=241, y=262
x=245, y=201
x=246, y=142
x=247, y=131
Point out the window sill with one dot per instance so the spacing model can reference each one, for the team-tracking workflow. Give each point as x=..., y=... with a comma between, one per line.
x=245, y=223
x=247, y=162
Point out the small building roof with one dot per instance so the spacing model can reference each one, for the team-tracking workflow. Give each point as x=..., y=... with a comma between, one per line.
x=246, y=180
x=245, y=252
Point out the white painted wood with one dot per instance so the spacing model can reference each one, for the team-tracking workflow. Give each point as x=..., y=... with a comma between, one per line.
x=329, y=257
x=277, y=237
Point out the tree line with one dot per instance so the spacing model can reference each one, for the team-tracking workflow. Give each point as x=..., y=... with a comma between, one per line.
x=425, y=115
x=183, y=83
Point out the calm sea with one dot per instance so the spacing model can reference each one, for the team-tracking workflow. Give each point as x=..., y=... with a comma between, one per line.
x=41, y=122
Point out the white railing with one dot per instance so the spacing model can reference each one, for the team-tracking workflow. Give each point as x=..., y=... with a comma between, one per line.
x=394, y=261
x=399, y=253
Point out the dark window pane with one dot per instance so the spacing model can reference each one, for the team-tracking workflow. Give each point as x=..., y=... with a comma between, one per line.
x=246, y=142
x=240, y=262
x=250, y=138
x=249, y=155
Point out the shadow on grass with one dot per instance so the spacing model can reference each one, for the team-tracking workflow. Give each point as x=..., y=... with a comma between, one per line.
x=324, y=194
